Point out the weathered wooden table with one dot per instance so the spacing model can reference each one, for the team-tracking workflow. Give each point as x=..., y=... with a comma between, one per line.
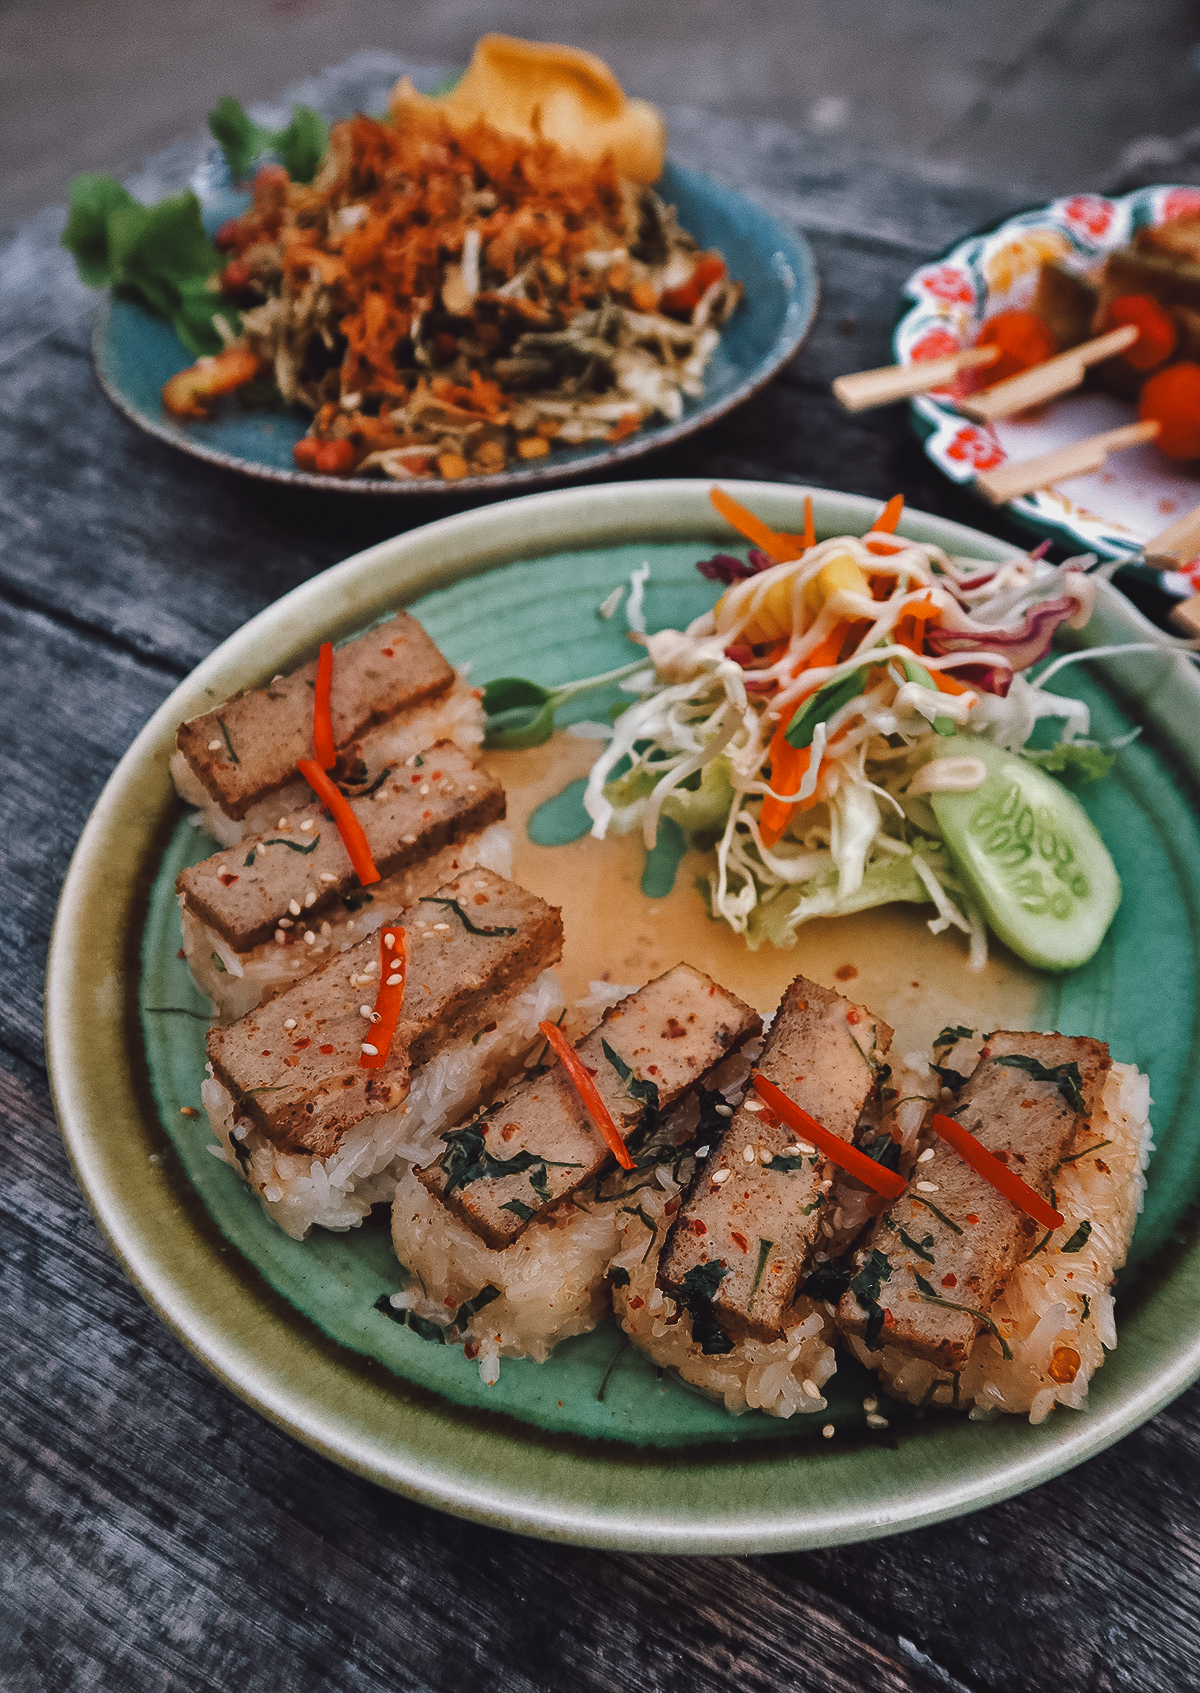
x=157, y=1534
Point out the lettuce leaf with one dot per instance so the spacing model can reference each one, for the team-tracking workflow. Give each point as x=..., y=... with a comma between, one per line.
x=885, y=881
x=300, y=147
x=1075, y=762
x=157, y=255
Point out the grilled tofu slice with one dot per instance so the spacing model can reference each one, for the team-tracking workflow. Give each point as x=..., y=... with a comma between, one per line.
x=942, y=1257
x=243, y=891
x=293, y=1064
x=755, y=1208
x=647, y=1051
x=249, y=747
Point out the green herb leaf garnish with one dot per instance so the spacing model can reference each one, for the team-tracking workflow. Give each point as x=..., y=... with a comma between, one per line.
x=931, y=1298
x=295, y=846
x=822, y=705
x=1079, y=1239
x=1065, y=1077
x=520, y=713
x=468, y=925
x=865, y=1285
x=301, y=146
x=696, y=1294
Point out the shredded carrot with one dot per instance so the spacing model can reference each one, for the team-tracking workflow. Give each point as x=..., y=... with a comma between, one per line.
x=348, y=825
x=921, y=613
x=826, y=652
x=889, y=517
x=1003, y=1179
x=777, y=546
x=810, y=526
x=847, y=1157
x=324, y=751
x=789, y=766
x=580, y=1078
x=947, y=684
x=393, y=971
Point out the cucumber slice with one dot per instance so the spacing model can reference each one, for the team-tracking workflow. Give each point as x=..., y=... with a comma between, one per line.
x=1029, y=853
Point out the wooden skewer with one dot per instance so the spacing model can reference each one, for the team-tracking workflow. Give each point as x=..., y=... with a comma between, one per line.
x=1047, y=380
x=1176, y=545
x=1010, y=481
x=1186, y=616
x=867, y=388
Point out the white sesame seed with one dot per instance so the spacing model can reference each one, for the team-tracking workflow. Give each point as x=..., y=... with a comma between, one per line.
x=389, y=940
x=260, y=846
x=284, y=923
x=307, y=823
x=723, y=1110
x=803, y=1150
x=283, y=823
x=719, y=1176
x=928, y=1187
x=703, y=1151
x=926, y=1155
x=877, y=1422
x=326, y=930
x=294, y=907
x=327, y=876
x=309, y=938
x=289, y=1022
x=408, y=840
x=214, y=746
x=395, y=981
x=310, y=898
x=754, y=1105
x=441, y=925
x=827, y=1431
x=280, y=937
x=364, y=1010
x=423, y=790
x=765, y=1155
x=810, y=1390
x=870, y=1403
x=827, y=1183
x=371, y=1051
x=748, y=1154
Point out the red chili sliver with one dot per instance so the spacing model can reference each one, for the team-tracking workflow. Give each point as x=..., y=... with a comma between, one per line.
x=348, y=825
x=393, y=969
x=849, y=1158
x=992, y=1170
x=585, y=1087
x=324, y=751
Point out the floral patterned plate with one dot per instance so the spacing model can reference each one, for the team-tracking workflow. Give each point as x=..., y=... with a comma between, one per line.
x=1138, y=492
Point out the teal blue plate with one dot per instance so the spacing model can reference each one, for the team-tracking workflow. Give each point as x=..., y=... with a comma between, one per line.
x=592, y=1446
x=135, y=354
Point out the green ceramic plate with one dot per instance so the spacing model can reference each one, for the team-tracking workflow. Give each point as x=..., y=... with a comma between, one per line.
x=590, y=1447
x=135, y=354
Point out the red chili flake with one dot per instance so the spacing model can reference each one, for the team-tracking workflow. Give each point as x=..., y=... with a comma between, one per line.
x=698, y=1225
x=670, y=1208
x=1000, y=1157
x=972, y=1217
x=425, y=816
x=416, y=778
x=741, y=1240
x=388, y=652
x=652, y=1069
x=889, y=1322
x=435, y=776
x=950, y=1281
x=470, y=1350
x=636, y=1303
x=450, y=1304
x=226, y=877
x=266, y=1054
x=325, y=1049
x=299, y=1045
x=854, y=1015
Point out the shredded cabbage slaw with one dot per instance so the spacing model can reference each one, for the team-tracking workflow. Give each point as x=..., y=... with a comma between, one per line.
x=793, y=727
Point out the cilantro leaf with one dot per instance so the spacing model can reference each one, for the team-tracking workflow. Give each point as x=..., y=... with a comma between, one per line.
x=696, y=1295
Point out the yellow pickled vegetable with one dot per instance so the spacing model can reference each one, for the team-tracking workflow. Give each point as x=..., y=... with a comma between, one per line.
x=536, y=88
x=772, y=620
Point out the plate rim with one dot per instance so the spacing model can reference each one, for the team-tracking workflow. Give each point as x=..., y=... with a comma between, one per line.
x=928, y=416
x=93, y=1044
x=797, y=251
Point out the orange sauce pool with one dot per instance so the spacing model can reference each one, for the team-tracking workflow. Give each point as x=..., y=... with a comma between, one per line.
x=885, y=959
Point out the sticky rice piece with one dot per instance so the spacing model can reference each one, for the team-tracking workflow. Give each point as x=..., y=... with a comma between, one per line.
x=968, y=1246
x=454, y=716
x=760, y=1184
x=648, y=1050
x=236, y=982
x=248, y=747
x=299, y=1191
x=293, y=1065
x=783, y=1376
x=550, y=1282
x=1055, y=1313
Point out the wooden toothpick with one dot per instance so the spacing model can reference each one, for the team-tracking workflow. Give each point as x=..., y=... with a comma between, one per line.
x=1010, y=481
x=1046, y=381
x=867, y=388
x=1176, y=545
